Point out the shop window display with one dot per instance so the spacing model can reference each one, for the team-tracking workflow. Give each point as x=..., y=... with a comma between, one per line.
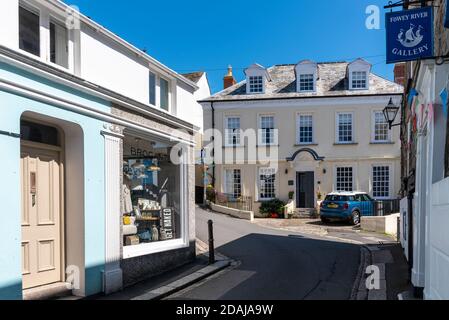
x=151, y=191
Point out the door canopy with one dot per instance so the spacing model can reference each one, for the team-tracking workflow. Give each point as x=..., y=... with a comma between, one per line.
x=306, y=150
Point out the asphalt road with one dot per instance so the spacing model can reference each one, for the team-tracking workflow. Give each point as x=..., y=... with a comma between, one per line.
x=275, y=264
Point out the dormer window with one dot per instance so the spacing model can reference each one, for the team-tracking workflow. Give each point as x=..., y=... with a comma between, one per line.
x=256, y=84
x=306, y=82
x=358, y=75
x=306, y=76
x=359, y=80
x=256, y=79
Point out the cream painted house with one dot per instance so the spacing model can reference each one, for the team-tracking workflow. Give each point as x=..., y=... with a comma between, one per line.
x=307, y=129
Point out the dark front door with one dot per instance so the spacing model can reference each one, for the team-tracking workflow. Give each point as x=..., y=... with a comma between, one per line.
x=305, y=196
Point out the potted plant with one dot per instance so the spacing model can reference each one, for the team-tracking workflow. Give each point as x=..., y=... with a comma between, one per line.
x=272, y=209
x=291, y=195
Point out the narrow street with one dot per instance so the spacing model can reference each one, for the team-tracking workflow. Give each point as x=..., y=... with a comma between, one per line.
x=274, y=264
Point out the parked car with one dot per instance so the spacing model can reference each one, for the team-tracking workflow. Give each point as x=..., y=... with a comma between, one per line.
x=350, y=206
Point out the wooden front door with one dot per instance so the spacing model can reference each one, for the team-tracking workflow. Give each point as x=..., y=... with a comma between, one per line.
x=41, y=176
x=305, y=190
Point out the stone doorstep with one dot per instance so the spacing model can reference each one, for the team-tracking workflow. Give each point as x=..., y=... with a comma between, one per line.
x=185, y=282
x=51, y=291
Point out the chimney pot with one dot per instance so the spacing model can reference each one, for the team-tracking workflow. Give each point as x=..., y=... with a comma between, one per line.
x=399, y=73
x=229, y=80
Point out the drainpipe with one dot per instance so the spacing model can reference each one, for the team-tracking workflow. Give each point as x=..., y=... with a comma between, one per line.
x=213, y=139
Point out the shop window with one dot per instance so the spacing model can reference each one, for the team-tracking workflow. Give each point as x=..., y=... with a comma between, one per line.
x=39, y=133
x=29, y=33
x=151, y=193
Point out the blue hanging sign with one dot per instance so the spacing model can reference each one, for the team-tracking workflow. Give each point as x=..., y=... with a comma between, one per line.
x=409, y=35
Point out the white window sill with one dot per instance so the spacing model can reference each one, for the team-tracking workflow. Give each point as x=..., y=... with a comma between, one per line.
x=382, y=142
x=345, y=143
x=49, y=63
x=152, y=248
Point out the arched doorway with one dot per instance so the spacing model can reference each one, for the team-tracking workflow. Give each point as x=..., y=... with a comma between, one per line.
x=305, y=163
x=42, y=184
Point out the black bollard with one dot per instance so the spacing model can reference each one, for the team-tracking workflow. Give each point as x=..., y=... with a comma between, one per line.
x=210, y=224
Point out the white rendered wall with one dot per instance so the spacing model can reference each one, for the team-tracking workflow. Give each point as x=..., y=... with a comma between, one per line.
x=103, y=63
x=9, y=23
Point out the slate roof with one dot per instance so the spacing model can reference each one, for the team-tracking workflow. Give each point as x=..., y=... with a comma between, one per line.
x=194, y=76
x=332, y=82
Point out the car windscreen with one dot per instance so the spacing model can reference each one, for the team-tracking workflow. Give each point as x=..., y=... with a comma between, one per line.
x=337, y=198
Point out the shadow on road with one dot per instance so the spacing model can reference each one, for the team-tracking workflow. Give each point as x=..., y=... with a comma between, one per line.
x=283, y=267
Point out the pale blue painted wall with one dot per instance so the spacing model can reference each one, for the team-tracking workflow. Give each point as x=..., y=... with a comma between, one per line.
x=11, y=109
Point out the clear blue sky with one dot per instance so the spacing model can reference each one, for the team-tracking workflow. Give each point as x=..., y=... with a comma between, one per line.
x=208, y=35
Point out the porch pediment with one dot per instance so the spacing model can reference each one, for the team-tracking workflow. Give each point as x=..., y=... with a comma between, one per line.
x=311, y=152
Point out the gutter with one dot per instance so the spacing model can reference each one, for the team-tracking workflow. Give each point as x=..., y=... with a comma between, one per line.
x=213, y=139
x=302, y=98
x=98, y=28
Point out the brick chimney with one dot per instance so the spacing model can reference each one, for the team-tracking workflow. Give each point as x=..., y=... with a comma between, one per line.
x=228, y=80
x=399, y=73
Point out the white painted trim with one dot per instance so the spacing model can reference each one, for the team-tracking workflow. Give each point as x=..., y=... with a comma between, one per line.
x=109, y=98
x=113, y=275
x=373, y=128
x=369, y=100
x=259, y=129
x=337, y=135
x=162, y=246
x=298, y=117
x=85, y=110
x=352, y=165
x=390, y=182
x=276, y=183
x=225, y=128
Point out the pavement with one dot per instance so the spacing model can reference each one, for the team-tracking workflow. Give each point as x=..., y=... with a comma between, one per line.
x=274, y=259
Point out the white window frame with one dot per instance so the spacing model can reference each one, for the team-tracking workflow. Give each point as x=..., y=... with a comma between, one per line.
x=298, y=128
x=225, y=181
x=259, y=185
x=354, y=187
x=262, y=84
x=46, y=17
x=373, y=128
x=261, y=132
x=354, y=77
x=301, y=82
x=337, y=127
x=227, y=133
x=169, y=107
x=164, y=246
x=390, y=180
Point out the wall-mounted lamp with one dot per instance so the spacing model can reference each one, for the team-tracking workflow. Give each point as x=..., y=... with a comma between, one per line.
x=286, y=171
x=324, y=171
x=390, y=113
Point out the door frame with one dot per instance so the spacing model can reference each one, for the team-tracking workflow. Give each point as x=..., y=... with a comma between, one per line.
x=297, y=184
x=61, y=150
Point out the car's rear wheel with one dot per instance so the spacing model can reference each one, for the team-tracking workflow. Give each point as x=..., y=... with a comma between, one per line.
x=355, y=218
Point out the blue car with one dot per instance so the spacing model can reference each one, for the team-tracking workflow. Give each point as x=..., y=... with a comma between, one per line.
x=348, y=206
